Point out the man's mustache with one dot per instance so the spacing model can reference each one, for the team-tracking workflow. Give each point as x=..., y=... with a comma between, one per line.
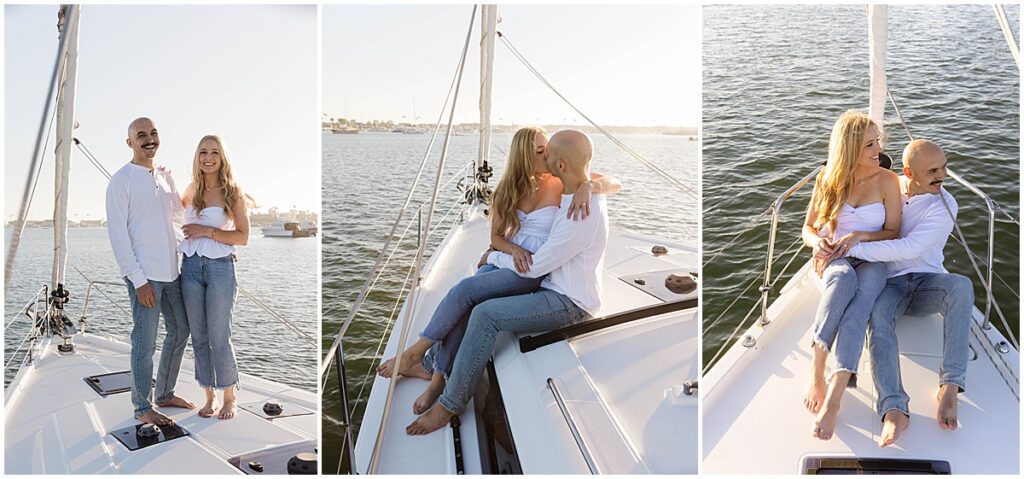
x=939, y=182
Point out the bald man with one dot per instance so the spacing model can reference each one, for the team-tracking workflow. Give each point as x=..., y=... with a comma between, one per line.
x=144, y=214
x=918, y=284
x=572, y=258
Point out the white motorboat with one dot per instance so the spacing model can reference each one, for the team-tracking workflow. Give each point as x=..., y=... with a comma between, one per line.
x=615, y=394
x=68, y=408
x=754, y=421
x=287, y=229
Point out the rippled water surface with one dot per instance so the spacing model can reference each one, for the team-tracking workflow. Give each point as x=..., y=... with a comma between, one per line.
x=280, y=272
x=776, y=78
x=366, y=179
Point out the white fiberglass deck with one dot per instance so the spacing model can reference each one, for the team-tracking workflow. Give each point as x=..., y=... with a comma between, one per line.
x=754, y=421
x=54, y=423
x=621, y=385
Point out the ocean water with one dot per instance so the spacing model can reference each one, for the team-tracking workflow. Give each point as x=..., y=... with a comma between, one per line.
x=366, y=178
x=282, y=273
x=775, y=78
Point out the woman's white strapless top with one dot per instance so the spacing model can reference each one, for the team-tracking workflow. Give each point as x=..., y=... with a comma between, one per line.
x=213, y=216
x=869, y=217
x=534, y=227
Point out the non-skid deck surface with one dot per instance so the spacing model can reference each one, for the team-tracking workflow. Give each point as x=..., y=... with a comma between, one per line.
x=55, y=423
x=754, y=421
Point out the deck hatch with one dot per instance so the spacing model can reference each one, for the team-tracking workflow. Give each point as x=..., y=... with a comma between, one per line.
x=861, y=465
x=111, y=383
x=287, y=409
x=133, y=438
x=667, y=285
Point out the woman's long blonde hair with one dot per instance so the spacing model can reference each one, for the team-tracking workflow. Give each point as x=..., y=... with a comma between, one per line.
x=232, y=197
x=835, y=182
x=518, y=180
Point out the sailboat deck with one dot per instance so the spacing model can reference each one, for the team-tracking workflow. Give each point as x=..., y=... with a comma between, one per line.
x=624, y=382
x=55, y=423
x=755, y=422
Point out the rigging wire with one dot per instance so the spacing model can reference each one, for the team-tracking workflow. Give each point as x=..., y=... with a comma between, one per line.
x=411, y=304
x=753, y=225
x=963, y=240
x=35, y=167
x=753, y=308
x=387, y=241
x=667, y=177
x=92, y=158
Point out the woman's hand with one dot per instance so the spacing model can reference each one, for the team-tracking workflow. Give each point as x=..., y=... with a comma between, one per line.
x=522, y=258
x=580, y=206
x=196, y=230
x=483, y=259
x=842, y=245
x=823, y=248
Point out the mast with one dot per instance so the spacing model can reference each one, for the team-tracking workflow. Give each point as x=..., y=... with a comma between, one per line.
x=488, y=27
x=877, y=32
x=69, y=19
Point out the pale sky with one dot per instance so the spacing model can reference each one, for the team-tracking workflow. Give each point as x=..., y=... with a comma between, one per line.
x=247, y=73
x=621, y=64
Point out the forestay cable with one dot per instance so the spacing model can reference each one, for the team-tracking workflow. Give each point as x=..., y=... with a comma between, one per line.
x=667, y=177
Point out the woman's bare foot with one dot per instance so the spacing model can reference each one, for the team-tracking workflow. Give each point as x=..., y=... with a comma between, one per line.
x=208, y=409
x=177, y=401
x=946, y=412
x=412, y=362
x=814, y=397
x=893, y=424
x=435, y=418
x=228, y=410
x=154, y=417
x=412, y=367
x=430, y=394
x=825, y=422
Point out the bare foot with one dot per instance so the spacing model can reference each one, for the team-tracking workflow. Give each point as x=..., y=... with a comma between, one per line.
x=411, y=368
x=946, y=413
x=825, y=423
x=432, y=420
x=430, y=394
x=154, y=417
x=228, y=411
x=208, y=409
x=814, y=397
x=176, y=401
x=893, y=424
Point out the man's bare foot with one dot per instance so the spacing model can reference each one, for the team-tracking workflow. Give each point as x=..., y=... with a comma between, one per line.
x=177, y=401
x=946, y=412
x=814, y=397
x=435, y=418
x=893, y=424
x=429, y=395
x=208, y=409
x=411, y=368
x=154, y=417
x=825, y=423
x=228, y=411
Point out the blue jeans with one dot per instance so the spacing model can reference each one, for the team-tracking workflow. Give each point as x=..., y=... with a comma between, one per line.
x=917, y=294
x=540, y=311
x=143, y=338
x=448, y=324
x=209, y=289
x=851, y=287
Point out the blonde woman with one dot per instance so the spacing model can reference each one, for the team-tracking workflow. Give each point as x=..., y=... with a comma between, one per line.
x=523, y=208
x=854, y=200
x=217, y=221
